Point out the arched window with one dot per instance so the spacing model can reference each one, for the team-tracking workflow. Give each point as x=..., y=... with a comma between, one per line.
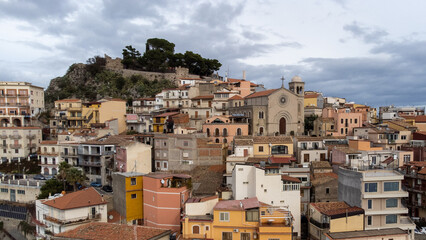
x=195, y=229
x=261, y=131
x=238, y=131
x=216, y=132
x=208, y=132
x=53, y=161
x=54, y=171
x=236, y=104
x=225, y=140
x=45, y=149
x=225, y=132
x=217, y=140
x=53, y=149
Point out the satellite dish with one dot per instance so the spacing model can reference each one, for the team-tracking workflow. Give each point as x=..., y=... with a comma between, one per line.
x=110, y=217
x=162, y=181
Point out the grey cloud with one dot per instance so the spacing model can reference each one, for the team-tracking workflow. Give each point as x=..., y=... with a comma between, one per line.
x=367, y=34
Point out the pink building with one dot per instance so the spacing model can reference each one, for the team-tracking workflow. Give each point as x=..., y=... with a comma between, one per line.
x=344, y=120
x=164, y=196
x=223, y=129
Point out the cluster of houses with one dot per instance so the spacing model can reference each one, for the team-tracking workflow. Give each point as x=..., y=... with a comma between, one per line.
x=220, y=158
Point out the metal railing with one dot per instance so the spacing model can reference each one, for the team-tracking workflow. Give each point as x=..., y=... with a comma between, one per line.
x=318, y=224
x=14, y=136
x=72, y=220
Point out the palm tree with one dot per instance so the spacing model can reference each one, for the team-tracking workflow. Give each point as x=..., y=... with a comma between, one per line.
x=63, y=172
x=26, y=228
x=74, y=176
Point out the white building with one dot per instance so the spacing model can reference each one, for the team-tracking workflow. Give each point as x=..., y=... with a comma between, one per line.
x=70, y=211
x=250, y=181
x=17, y=143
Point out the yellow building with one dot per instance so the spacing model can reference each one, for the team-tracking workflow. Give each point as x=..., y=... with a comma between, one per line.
x=265, y=146
x=332, y=217
x=160, y=121
x=240, y=220
x=128, y=196
x=311, y=99
x=90, y=113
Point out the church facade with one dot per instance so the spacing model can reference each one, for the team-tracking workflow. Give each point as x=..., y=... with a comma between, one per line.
x=275, y=111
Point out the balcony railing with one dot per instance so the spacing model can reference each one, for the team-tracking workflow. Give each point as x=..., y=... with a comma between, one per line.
x=72, y=220
x=15, y=146
x=91, y=164
x=64, y=154
x=16, y=137
x=32, y=145
x=3, y=136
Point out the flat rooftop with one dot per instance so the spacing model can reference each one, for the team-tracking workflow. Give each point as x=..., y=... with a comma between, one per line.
x=367, y=233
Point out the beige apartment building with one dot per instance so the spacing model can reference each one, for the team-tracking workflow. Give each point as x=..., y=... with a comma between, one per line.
x=379, y=193
x=17, y=143
x=49, y=157
x=19, y=101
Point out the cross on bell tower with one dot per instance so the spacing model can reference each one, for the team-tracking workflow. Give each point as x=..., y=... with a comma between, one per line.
x=282, y=79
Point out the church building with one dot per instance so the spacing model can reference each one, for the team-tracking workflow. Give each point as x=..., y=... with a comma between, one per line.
x=275, y=111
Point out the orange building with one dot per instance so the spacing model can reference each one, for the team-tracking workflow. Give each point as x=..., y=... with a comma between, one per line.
x=164, y=198
x=344, y=120
x=223, y=129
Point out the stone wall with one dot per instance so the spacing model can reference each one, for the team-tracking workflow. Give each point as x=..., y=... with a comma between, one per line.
x=117, y=66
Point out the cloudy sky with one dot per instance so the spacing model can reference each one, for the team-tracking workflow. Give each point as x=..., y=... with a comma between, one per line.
x=370, y=52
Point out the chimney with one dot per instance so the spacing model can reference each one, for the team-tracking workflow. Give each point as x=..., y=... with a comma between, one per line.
x=244, y=74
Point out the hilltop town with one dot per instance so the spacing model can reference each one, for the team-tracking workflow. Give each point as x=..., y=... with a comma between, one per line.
x=205, y=157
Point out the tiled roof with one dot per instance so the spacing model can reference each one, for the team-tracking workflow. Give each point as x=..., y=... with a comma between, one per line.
x=110, y=140
x=167, y=114
x=336, y=208
x=311, y=95
x=420, y=119
x=69, y=100
x=366, y=234
x=272, y=139
x=261, y=93
x=49, y=142
x=236, y=97
x=309, y=139
x=325, y=175
x=101, y=231
x=203, y=97
x=160, y=175
x=287, y=178
x=237, y=205
x=423, y=171
x=83, y=198
x=282, y=160
x=243, y=140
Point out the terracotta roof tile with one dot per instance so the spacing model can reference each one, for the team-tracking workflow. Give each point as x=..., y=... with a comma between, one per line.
x=388, y=160
x=420, y=119
x=69, y=100
x=423, y=171
x=336, y=208
x=49, y=142
x=101, y=231
x=287, y=178
x=236, y=97
x=282, y=160
x=261, y=93
x=167, y=114
x=83, y=198
x=272, y=139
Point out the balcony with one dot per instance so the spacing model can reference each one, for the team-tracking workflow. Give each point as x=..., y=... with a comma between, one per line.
x=75, y=118
x=195, y=117
x=15, y=146
x=72, y=220
x=15, y=137
x=23, y=95
x=3, y=146
x=90, y=164
x=31, y=136
x=74, y=109
x=32, y=145
x=68, y=154
x=3, y=136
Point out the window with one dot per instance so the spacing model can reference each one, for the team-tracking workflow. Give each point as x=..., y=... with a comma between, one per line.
x=370, y=187
x=207, y=228
x=5, y=190
x=369, y=220
x=261, y=115
x=391, y=203
x=370, y=204
x=238, y=131
x=245, y=236
x=16, y=150
x=391, y=219
x=356, y=120
x=21, y=192
x=224, y=216
x=341, y=120
x=133, y=195
x=341, y=130
x=260, y=148
x=327, y=190
x=133, y=181
x=403, y=137
x=165, y=165
x=407, y=158
x=226, y=235
x=262, y=213
x=196, y=229
x=185, y=143
x=252, y=215
x=391, y=186
x=279, y=149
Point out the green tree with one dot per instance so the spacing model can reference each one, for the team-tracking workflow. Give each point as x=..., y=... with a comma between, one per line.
x=95, y=65
x=63, y=172
x=74, y=176
x=309, y=123
x=159, y=44
x=26, y=228
x=51, y=186
x=130, y=57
